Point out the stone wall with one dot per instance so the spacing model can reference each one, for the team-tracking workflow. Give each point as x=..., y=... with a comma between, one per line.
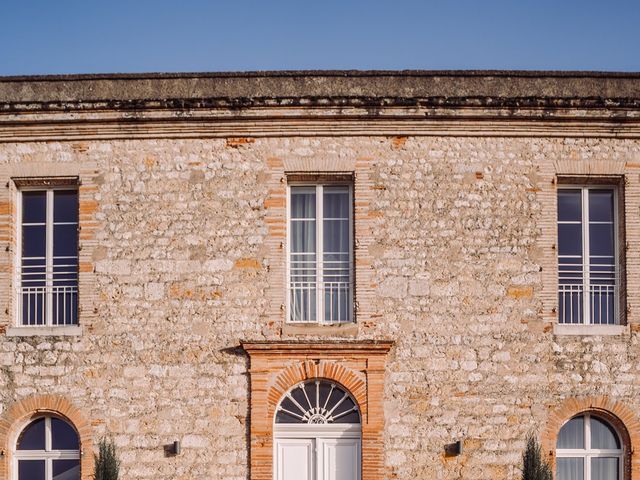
x=454, y=258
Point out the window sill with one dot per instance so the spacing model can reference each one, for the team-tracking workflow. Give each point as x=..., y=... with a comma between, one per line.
x=66, y=331
x=335, y=329
x=591, y=330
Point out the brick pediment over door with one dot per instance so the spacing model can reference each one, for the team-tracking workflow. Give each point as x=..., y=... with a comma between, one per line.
x=277, y=367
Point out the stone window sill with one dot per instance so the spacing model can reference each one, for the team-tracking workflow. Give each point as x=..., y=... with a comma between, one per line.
x=591, y=330
x=66, y=331
x=335, y=329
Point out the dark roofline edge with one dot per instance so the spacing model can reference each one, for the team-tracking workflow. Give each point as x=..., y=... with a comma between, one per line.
x=324, y=73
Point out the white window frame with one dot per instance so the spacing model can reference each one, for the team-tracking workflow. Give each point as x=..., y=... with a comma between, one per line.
x=586, y=283
x=49, y=223
x=588, y=453
x=48, y=454
x=319, y=189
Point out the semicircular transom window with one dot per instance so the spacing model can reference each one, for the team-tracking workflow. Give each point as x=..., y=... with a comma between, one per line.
x=317, y=402
x=48, y=448
x=588, y=448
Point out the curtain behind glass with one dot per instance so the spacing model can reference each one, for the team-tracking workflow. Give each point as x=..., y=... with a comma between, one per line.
x=572, y=434
x=336, y=254
x=302, y=244
x=570, y=469
x=604, y=468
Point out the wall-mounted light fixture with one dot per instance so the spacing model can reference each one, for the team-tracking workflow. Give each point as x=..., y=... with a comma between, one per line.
x=453, y=449
x=176, y=447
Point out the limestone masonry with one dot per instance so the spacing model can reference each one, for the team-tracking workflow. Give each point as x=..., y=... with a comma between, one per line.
x=182, y=331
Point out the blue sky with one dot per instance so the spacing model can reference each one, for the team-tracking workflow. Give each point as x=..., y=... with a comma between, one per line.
x=91, y=36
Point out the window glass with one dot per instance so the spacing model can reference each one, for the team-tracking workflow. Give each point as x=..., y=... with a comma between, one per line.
x=66, y=470
x=569, y=205
x=65, y=206
x=33, y=436
x=600, y=205
x=572, y=434
x=570, y=239
x=603, y=436
x=605, y=468
x=63, y=436
x=31, y=470
x=570, y=469
x=34, y=207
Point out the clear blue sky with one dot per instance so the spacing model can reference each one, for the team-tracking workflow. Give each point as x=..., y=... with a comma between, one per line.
x=91, y=36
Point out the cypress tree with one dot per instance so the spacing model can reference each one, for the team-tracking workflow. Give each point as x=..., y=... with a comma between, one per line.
x=534, y=467
x=107, y=465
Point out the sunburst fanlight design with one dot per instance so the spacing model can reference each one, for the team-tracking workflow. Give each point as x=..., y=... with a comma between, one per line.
x=317, y=402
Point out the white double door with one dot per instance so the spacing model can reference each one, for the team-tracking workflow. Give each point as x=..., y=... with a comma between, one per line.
x=317, y=458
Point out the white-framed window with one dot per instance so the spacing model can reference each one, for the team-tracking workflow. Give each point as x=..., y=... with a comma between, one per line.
x=588, y=255
x=48, y=448
x=47, y=260
x=320, y=253
x=589, y=448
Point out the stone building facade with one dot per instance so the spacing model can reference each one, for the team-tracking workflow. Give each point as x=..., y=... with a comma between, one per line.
x=183, y=328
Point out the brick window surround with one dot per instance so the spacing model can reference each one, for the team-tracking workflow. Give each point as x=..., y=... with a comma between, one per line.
x=20, y=414
x=358, y=366
x=616, y=413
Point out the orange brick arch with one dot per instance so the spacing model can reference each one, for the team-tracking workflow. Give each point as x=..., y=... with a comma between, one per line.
x=22, y=412
x=349, y=379
x=619, y=415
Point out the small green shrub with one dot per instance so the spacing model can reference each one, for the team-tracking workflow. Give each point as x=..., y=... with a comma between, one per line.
x=107, y=465
x=534, y=467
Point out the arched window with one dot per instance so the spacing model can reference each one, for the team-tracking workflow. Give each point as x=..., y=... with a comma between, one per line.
x=48, y=448
x=318, y=402
x=588, y=448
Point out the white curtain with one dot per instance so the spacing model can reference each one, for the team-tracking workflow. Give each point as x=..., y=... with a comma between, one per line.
x=303, y=254
x=572, y=434
x=604, y=468
x=569, y=469
x=603, y=436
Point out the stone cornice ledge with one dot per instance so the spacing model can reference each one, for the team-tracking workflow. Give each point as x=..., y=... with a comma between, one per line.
x=297, y=347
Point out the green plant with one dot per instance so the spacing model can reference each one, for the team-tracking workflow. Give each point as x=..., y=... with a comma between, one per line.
x=534, y=467
x=107, y=465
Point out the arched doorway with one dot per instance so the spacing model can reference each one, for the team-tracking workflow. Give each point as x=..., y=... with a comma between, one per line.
x=317, y=433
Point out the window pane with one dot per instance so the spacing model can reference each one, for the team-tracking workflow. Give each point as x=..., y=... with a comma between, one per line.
x=570, y=469
x=303, y=202
x=336, y=202
x=572, y=434
x=603, y=436
x=63, y=436
x=303, y=236
x=32, y=437
x=600, y=205
x=569, y=239
x=65, y=240
x=604, y=468
x=336, y=236
x=31, y=470
x=34, y=207
x=569, y=205
x=65, y=206
x=601, y=239
x=34, y=240
x=66, y=470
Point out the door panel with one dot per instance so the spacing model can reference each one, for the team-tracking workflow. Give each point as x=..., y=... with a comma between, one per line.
x=339, y=459
x=294, y=459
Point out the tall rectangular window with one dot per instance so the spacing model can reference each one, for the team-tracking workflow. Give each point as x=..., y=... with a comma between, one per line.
x=588, y=260
x=48, y=261
x=320, y=254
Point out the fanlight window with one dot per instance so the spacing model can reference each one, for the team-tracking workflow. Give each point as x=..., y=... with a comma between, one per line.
x=588, y=448
x=317, y=402
x=48, y=449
